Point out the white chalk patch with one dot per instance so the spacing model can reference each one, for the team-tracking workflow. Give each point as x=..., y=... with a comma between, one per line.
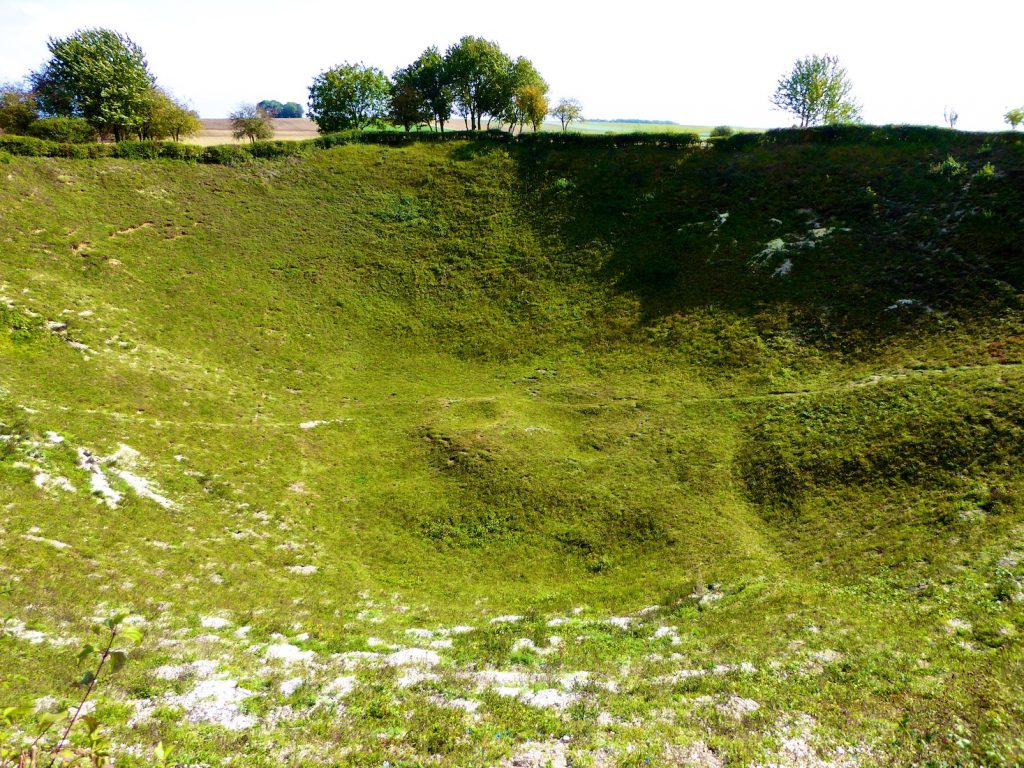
x=338, y=688
x=98, y=482
x=52, y=542
x=143, y=488
x=413, y=657
x=506, y=619
x=216, y=702
x=288, y=653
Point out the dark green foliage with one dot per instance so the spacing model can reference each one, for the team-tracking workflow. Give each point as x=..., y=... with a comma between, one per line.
x=429, y=77
x=99, y=75
x=480, y=74
x=271, y=107
x=274, y=108
x=18, y=109
x=68, y=130
x=226, y=154
x=349, y=96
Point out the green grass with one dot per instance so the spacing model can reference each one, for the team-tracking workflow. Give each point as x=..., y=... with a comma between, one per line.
x=556, y=383
x=615, y=126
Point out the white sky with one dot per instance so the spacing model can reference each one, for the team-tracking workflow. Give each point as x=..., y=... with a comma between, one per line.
x=704, y=63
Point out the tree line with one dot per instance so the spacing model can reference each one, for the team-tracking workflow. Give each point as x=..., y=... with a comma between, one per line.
x=97, y=83
x=474, y=79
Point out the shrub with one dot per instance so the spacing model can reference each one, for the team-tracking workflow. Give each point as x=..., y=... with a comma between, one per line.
x=225, y=154
x=722, y=132
x=275, y=149
x=173, y=150
x=67, y=130
x=26, y=145
x=138, y=150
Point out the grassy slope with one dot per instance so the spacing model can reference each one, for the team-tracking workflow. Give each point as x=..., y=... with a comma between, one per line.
x=553, y=378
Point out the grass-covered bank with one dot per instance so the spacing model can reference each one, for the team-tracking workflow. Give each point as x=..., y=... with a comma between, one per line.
x=773, y=392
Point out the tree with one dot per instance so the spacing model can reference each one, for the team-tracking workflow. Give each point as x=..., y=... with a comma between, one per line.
x=251, y=122
x=97, y=74
x=950, y=115
x=479, y=73
x=274, y=108
x=531, y=106
x=524, y=96
x=167, y=118
x=817, y=91
x=407, y=106
x=1014, y=117
x=349, y=96
x=17, y=108
x=568, y=111
x=270, y=107
x=431, y=77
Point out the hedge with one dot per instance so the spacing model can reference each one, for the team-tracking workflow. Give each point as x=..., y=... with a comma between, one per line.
x=234, y=154
x=64, y=130
x=863, y=134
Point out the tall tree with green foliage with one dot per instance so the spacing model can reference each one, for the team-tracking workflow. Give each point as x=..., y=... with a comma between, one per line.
x=817, y=91
x=349, y=96
x=250, y=122
x=568, y=111
x=1014, y=117
x=479, y=72
x=408, y=107
x=97, y=74
x=431, y=77
x=18, y=108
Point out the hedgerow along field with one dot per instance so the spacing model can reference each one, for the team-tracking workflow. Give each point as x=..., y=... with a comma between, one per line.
x=485, y=453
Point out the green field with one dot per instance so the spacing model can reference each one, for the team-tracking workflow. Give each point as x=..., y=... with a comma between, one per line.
x=474, y=454
x=614, y=126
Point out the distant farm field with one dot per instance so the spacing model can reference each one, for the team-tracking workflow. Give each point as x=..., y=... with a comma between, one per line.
x=218, y=131
x=610, y=126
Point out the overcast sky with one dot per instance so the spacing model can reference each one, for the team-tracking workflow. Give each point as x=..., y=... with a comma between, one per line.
x=700, y=63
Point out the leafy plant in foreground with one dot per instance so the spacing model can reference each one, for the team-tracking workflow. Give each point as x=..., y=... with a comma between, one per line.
x=43, y=750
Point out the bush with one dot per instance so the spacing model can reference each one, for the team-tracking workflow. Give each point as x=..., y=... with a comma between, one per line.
x=225, y=154
x=275, y=149
x=67, y=130
x=722, y=132
x=173, y=150
x=26, y=146
x=138, y=150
